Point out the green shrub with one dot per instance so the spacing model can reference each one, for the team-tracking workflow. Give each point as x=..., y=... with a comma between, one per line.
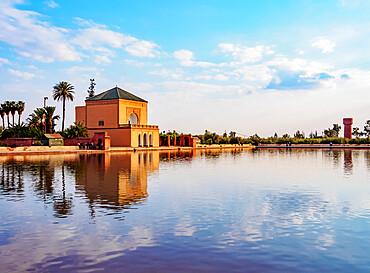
x=20, y=131
x=37, y=143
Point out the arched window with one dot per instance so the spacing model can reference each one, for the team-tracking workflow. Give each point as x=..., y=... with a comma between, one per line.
x=145, y=140
x=139, y=142
x=133, y=119
x=150, y=140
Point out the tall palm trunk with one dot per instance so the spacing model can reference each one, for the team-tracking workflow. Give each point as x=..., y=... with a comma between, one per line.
x=64, y=112
x=8, y=120
x=19, y=118
x=13, y=119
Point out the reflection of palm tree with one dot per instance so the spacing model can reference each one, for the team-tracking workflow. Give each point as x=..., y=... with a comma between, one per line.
x=62, y=205
x=2, y=176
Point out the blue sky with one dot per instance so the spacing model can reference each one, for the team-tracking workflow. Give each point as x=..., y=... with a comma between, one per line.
x=247, y=66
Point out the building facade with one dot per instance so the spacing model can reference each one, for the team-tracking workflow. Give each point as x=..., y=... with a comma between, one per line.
x=122, y=115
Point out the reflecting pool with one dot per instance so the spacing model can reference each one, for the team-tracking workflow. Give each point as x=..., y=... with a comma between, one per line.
x=261, y=210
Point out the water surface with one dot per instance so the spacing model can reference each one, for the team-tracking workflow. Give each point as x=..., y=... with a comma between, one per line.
x=231, y=211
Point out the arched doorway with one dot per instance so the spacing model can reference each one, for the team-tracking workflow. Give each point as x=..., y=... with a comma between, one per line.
x=145, y=140
x=186, y=141
x=133, y=119
x=139, y=141
x=151, y=140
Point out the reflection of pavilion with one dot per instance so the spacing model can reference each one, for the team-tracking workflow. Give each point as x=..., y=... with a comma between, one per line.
x=115, y=181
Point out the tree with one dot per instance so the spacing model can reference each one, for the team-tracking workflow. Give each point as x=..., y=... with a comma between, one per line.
x=232, y=134
x=63, y=91
x=298, y=134
x=91, y=90
x=13, y=109
x=76, y=130
x=2, y=113
x=333, y=132
x=337, y=128
x=6, y=107
x=37, y=119
x=50, y=118
x=356, y=132
x=367, y=128
x=21, y=131
x=20, y=108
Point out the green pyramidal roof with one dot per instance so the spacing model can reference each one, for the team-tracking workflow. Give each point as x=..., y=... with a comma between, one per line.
x=115, y=93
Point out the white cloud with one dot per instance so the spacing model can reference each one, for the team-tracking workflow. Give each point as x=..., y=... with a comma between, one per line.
x=51, y=4
x=99, y=59
x=4, y=61
x=221, y=77
x=142, y=49
x=186, y=58
x=20, y=74
x=75, y=69
x=217, y=77
x=97, y=36
x=167, y=73
x=325, y=45
x=300, y=52
x=300, y=65
x=33, y=38
x=134, y=63
x=259, y=75
x=246, y=54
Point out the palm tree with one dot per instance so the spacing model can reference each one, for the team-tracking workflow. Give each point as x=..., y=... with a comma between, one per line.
x=6, y=107
x=50, y=118
x=63, y=91
x=2, y=113
x=77, y=130
x=20, y=109
x=13, y=109
x=37, y=119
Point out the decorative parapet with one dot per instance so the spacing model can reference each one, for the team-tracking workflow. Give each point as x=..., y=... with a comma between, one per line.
x=138, y=126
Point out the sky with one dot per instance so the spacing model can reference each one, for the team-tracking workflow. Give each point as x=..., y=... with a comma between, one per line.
x=246, y=66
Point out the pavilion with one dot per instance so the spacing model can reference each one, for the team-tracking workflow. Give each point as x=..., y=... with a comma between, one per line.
x=122, y=115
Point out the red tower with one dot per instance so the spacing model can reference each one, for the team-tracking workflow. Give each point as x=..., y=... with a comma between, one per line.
x=348, y=127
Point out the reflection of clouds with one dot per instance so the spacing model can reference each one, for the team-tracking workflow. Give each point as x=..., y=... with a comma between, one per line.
x=184, y=227
x=289, y=207
x=140, y=236
x=271, y=216
x=61, y=247
x=325, y=240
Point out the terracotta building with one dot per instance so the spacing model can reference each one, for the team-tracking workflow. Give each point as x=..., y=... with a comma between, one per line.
x=122, y=115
